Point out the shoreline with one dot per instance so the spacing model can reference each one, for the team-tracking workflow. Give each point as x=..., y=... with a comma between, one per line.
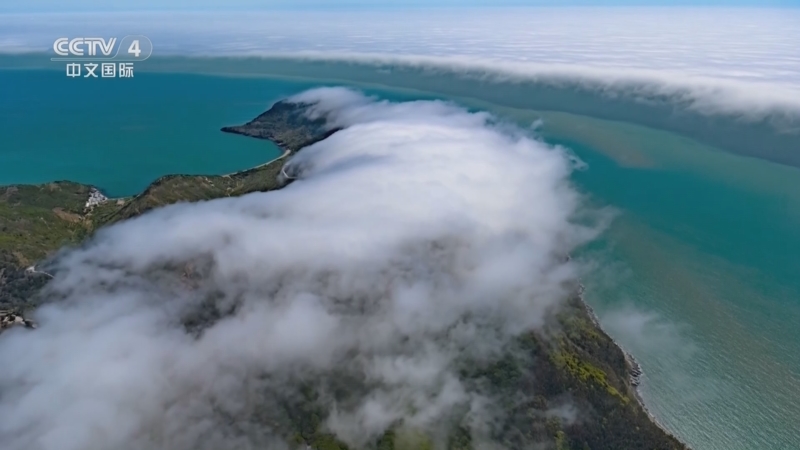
x=286, y=153
x=635, y=371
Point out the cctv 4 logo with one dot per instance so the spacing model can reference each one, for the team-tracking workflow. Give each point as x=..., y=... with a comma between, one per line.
x=84, y=46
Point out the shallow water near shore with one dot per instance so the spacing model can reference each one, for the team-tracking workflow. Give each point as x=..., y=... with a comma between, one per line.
x=121, y=135
x=696, y=277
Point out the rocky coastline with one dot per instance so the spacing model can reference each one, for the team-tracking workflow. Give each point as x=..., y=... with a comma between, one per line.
x=635, y=371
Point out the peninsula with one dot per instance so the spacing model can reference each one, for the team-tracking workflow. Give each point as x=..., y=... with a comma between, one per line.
x=571, y=358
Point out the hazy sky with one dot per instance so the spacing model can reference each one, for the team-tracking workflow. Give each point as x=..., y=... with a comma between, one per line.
x=100, y=5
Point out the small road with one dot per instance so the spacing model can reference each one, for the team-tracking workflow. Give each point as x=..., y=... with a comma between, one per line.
x=285, y=175
x=32, y=269
x=284, y=155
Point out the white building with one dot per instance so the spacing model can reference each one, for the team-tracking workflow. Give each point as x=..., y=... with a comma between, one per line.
x=95, y=198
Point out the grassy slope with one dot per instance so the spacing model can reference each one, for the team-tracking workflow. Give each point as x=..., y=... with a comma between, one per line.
x=35, y=221
x=574, y=360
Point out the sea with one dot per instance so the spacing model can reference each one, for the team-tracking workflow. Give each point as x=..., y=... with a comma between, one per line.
x=696, y=276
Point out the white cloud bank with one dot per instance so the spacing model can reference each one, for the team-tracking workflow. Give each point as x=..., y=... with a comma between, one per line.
x=741, y=57
x=757, y=47
x=418, y=235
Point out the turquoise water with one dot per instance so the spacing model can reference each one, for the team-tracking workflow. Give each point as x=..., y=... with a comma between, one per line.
x=121, y=134
x=703, y=289
x=697, y=276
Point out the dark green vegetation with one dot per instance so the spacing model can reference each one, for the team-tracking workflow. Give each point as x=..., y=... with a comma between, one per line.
x=286, y=125
x=35, y=221
x=564, y=387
